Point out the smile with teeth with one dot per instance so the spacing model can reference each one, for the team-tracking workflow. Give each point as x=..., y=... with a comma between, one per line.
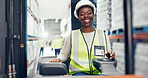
x=86, y=21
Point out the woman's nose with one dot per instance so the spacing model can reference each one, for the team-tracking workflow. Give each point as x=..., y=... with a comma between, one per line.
x=85, y=15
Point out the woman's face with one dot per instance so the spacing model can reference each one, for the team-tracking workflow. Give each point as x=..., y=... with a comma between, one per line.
x=86, y=16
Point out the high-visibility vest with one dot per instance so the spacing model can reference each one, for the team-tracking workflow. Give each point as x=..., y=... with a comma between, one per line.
x=57, y=43
x=81, y=57
x=41, y=42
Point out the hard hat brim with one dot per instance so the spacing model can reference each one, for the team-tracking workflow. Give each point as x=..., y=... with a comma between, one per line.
x=80, y=4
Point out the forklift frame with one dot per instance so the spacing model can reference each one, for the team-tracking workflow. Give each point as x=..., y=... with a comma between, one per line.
x=13, y=37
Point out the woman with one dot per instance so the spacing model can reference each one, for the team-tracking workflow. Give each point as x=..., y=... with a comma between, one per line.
x=84, y=44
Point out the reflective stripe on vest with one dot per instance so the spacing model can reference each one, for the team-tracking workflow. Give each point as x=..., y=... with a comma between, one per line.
x=81, y=59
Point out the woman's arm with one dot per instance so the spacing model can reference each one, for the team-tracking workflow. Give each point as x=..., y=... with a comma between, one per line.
x=112, y=53
x=64, y=54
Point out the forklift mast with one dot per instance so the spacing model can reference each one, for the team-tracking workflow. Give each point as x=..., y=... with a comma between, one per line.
x=13, y=39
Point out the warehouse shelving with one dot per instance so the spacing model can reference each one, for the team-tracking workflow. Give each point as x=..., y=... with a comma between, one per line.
x=116, y=36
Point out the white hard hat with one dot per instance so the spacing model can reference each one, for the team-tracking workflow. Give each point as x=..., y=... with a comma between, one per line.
x=82, y=3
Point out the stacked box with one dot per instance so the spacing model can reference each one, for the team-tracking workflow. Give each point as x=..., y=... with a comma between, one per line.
x=102, y=14
x=117, y=15
x=29, y=51
x=36, y=48
x=119, y=49
x=141, y=61
x=140, y=13
x=32, y=50
x=32, y=25
x=34, y=7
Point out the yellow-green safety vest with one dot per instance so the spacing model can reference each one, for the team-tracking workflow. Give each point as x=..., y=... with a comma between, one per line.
x=57, y=43
x=41, y=42
x=81, y=57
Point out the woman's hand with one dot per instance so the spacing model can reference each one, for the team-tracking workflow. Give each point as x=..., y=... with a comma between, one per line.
x=112, y=54
x=56, y=60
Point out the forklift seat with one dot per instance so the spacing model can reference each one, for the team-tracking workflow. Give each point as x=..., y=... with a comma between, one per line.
x=47, y=68
x=53, y=69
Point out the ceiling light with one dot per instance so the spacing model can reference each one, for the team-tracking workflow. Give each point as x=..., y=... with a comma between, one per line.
x=56, y=20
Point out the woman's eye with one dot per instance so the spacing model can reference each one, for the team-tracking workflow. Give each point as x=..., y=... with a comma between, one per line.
x=81, y=14
x=89, y=13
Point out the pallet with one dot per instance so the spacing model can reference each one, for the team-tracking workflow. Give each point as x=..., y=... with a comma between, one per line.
x=140, y=29
x=135, y=30
x=117, y=32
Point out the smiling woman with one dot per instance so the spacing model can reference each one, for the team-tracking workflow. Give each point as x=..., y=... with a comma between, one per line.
x=87, y=43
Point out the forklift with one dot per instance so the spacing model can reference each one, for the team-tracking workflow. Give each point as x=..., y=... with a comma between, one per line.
x=13, y=60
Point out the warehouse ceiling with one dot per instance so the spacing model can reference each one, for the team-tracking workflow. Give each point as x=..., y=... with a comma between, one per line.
x=52, y=28
x=50, y=10
x=53, y=9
